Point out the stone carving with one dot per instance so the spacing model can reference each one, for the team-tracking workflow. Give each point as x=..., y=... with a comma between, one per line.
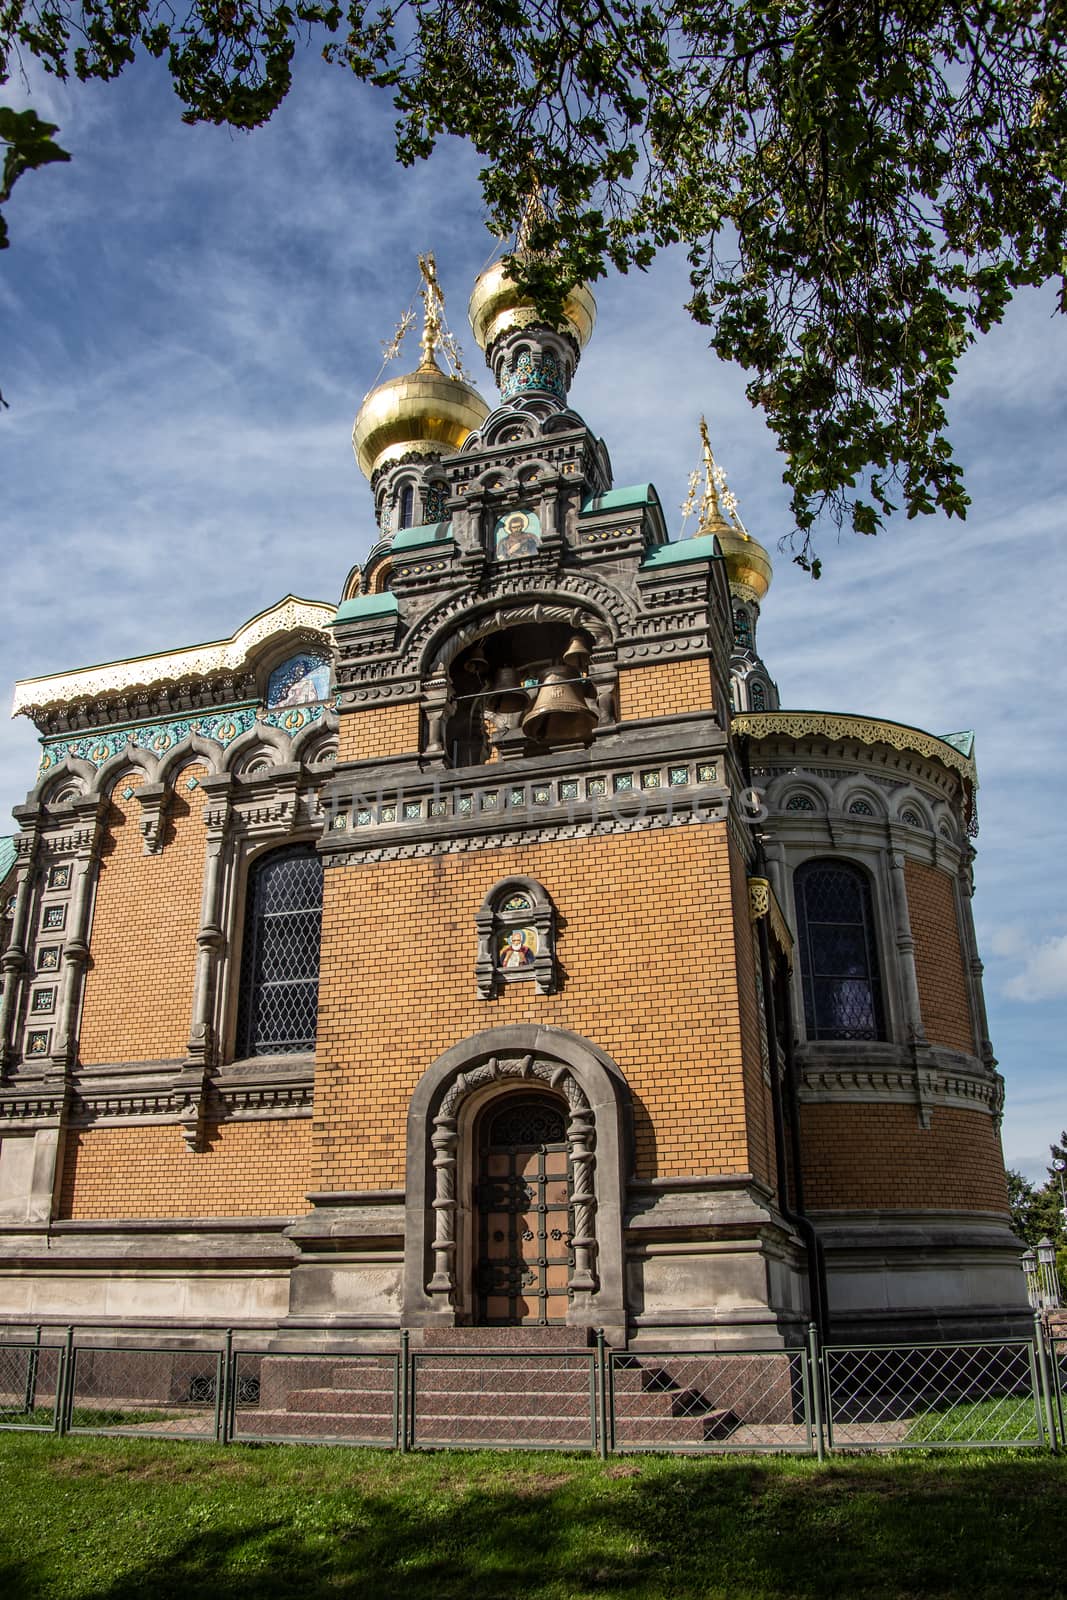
x=581, y=1139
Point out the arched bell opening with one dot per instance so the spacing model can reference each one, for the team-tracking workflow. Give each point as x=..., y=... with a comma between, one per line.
x=520, y=691
x=521, y=1215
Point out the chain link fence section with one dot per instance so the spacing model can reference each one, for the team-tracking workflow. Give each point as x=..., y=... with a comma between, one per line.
x=1058, y=1362
x=29, y=1385
x=315, y=1399
x=128, y=1389
x=481, y=1398
x=721, y=1400
x=960, y=1396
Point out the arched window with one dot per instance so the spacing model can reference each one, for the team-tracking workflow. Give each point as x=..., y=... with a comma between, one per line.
x=280, y=958
x=838, y=955
x=757, y=696
x=407, y=507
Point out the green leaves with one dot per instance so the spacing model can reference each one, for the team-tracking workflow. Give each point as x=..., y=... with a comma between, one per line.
x=27, y=143
x=860, y=187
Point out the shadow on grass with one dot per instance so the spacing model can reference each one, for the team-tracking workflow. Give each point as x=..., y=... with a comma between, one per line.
x=642, y=1528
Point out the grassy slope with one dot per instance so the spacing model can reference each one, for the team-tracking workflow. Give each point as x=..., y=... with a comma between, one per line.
x=125, y=1519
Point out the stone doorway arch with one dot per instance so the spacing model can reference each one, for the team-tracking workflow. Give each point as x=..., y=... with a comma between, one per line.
x=438, y=1255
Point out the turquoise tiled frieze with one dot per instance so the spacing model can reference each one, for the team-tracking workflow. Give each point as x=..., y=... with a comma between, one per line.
x=158, y=737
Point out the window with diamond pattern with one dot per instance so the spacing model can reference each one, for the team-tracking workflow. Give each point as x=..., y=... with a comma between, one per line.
x=280, y=958
x=838, y=955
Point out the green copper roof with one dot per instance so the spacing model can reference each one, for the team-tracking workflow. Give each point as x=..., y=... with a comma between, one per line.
x=365, y=605
x=638, y=494
x=666, y=555
x=963, y=742
x=426, y=533
x=7, y=857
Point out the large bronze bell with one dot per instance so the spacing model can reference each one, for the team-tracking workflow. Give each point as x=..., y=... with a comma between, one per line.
x=477, y=662
x=577, y=653
x=559, y=715
x=508, y=694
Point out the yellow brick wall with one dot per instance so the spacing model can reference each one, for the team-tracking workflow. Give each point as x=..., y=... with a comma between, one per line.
x=647, y=944
x=378, y=731
x=758, y=1114
x=939, y=966
x=664, y=689
x=875, y=1156
x=139, y=984
x=249, y=1169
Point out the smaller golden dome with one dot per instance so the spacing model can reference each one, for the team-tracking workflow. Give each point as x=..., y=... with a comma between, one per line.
x=423, y=412
x=497, y=305
x=748, y=566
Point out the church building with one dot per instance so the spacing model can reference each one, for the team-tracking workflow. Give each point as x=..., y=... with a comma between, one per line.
x=489, y=947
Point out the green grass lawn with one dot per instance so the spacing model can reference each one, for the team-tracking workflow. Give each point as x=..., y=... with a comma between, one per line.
x=133, y=1518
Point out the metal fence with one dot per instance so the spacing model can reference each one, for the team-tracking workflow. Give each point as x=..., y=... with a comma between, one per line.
x=231, y=1387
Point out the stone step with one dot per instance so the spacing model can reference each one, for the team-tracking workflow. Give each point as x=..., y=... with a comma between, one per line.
x=657, y=1403
x=316, y=1425
x=553, y=1337
x=522, y=1404
x=714, y=1426
x=342, y=1402
x=497, y=1376
x=492, y=1430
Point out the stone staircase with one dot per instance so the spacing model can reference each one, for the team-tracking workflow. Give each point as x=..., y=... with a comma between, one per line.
x=513, y=1386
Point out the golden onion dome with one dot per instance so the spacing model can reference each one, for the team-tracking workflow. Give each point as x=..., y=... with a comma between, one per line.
x=423, y=412
x=748, y=566
x=496, y=305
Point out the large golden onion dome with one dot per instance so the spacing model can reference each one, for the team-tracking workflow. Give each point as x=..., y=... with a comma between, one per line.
x=497, y=305
x=424, y=412
x=748, y=566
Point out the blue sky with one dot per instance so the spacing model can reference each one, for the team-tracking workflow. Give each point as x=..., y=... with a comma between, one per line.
x=190, y=318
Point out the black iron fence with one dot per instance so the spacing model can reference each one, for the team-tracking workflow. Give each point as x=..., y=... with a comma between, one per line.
x=230, y=1387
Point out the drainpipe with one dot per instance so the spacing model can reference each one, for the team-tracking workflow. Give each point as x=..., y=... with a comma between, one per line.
x=795, y=1215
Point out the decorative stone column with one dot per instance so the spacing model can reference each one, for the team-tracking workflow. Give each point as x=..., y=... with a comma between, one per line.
x=13, y=960
x=86, y=840
x=202, y=1052
x=918, y=1044
x=973, y=965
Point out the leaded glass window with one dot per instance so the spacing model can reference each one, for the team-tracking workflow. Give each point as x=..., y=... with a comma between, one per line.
x=838, y=956
x=280, y=959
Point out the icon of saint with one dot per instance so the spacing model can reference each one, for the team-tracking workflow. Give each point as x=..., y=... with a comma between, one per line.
x=515, y=950
x=515, y=537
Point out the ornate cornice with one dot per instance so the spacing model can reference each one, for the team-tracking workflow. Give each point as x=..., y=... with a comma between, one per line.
x=33, y=695
x=841, y=727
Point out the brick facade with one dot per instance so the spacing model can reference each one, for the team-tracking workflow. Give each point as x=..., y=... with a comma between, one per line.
x=870, y=1157
x=247, y=1169
x=946, y=1011
x=139, y=985
x=379, y=731
x=647, y=948
x=665, y=689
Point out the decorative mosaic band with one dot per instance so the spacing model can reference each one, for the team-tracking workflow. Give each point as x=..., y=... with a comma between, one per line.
x=158, y=737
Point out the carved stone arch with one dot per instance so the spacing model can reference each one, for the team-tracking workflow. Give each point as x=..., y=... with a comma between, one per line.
x=314, y=738
x=907, y=801
x=786, y=785
x=509, y=422
x=192, y=747
x=449, y=628
x=599, y=1136
x=121, y=762
x=852, y=789
x=262, y=737
x=353, y=584
x=70, y=771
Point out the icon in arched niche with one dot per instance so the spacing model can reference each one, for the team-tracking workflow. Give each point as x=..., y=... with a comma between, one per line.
x=518, y=948
x=299, y=681
x=517, y=533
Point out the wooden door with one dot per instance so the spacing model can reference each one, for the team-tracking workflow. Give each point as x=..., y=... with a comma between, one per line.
x=522, y=1209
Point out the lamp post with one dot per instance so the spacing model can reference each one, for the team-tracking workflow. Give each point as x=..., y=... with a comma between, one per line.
x=1059, y=1167
x=1046, y=1266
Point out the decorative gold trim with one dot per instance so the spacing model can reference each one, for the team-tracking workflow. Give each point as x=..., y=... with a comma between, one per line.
x=763, y=902
x=198, y=661
x=865, y=730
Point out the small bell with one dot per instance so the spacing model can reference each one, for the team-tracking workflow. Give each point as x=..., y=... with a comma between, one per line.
x=577, y=653
x=559, y=715
x=477, y=662
x=508, y=695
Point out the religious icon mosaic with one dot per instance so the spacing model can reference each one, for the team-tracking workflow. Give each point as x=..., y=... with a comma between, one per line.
x=299, y=681
x=517, y=533
x=517, y=948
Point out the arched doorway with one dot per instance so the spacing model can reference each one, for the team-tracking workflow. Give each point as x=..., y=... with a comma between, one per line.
x=523, y=1221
